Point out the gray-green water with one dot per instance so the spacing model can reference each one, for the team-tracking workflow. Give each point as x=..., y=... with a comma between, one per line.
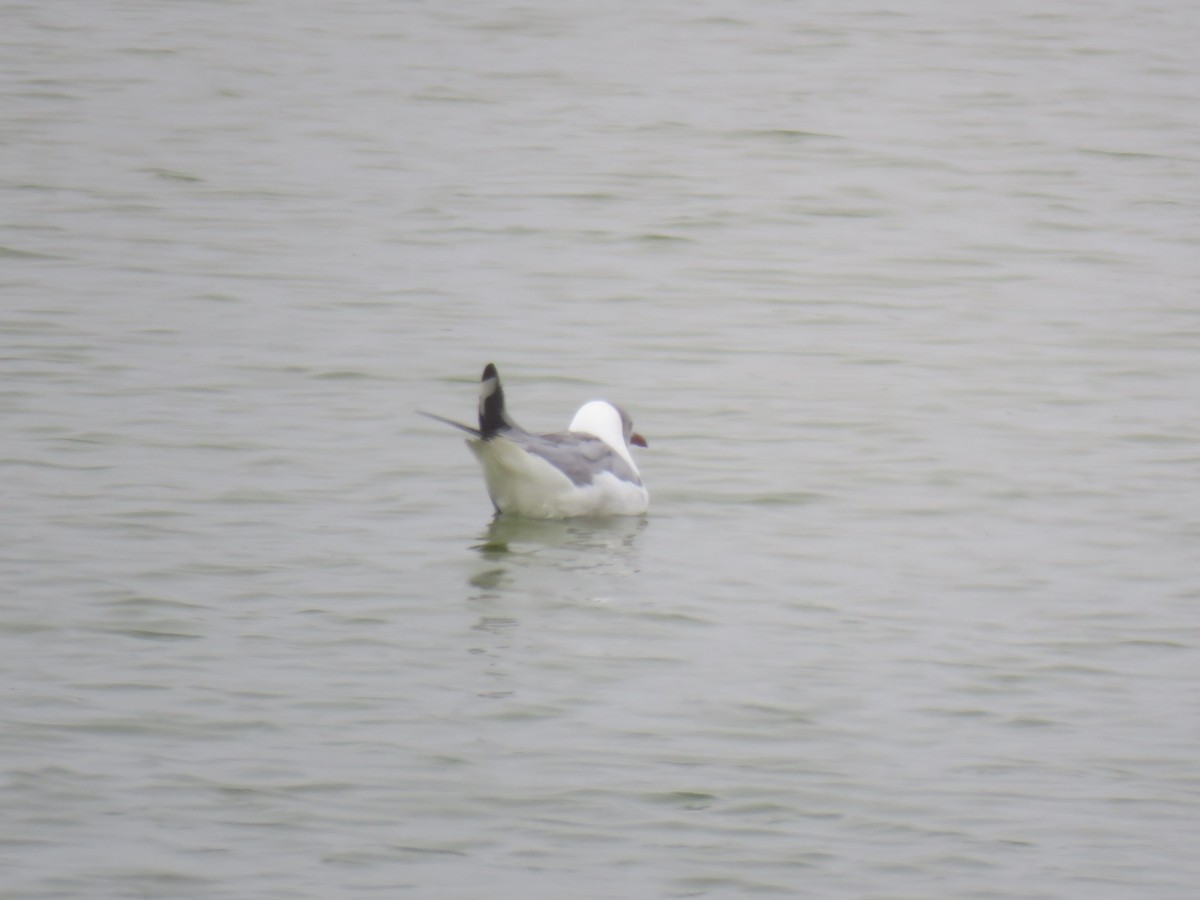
x=904, y=298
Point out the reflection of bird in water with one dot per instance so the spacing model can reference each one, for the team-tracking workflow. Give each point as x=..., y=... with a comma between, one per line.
x=583, y=534
x=587, y=470
x=520, y=554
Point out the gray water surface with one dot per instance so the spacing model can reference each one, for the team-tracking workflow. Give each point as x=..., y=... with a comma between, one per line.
x=904, y=299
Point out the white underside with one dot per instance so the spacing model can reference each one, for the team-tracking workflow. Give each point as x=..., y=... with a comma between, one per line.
x=526, y=485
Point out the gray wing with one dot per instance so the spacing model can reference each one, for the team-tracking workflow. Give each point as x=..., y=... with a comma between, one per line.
x=580, y=457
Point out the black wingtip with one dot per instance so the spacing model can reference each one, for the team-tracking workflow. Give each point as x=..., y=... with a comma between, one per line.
x=493, y=417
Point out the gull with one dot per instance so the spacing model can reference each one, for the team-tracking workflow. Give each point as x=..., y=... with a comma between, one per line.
x=586, y=470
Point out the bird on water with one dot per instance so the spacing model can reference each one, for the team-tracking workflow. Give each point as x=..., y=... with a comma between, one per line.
x=587, y=470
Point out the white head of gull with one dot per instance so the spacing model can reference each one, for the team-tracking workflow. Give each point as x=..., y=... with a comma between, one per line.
x=587, y=470
x=611, y=424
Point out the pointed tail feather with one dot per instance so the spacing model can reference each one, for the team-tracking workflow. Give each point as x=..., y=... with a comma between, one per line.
x=467, y=428
x=493, y=417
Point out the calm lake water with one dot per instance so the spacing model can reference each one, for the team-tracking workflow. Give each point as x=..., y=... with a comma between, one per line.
x=904, y=299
